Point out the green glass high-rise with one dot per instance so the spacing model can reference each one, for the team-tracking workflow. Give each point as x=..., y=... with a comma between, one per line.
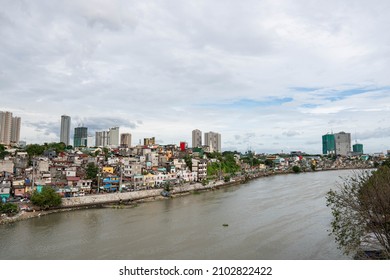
x=80, y=137
x=358, y=148
x=328, y=144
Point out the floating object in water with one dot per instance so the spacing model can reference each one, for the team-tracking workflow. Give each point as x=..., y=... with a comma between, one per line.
x=225, y=225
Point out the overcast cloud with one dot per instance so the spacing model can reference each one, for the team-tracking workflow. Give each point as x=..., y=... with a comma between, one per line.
x=254, y=71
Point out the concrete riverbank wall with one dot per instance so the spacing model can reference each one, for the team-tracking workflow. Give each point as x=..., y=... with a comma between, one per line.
x=134, y=196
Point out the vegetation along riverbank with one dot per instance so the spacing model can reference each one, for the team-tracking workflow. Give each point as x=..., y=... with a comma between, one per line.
x=132, y=198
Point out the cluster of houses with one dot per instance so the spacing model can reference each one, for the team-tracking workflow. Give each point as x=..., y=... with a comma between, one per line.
x=131, y=169
x=122, y=169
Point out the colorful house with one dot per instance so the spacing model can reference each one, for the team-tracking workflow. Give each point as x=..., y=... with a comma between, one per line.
x=111, y=184
x=19, y=188
x=108, y=169
x=5, y=191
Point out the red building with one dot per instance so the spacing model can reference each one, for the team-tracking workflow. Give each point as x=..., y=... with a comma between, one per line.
x=183, y=146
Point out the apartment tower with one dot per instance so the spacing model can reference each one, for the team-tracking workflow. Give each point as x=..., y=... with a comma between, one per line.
x=113, y=137
x=336, y=144
x=65, y=130
x=328, y=144
x=9, y=128
x=342, y=143
x=125, y=140
x=80, y=138
x=196, y=138
x=213, y=140
x=15, y=130
x=101, y=138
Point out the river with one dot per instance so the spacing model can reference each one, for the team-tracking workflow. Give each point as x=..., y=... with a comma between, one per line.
x=279, y=217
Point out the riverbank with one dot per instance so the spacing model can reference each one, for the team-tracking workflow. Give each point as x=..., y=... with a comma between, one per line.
x=129, y=199
x=126, y=199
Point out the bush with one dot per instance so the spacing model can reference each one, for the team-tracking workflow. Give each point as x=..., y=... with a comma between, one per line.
x=361, y=212
x=46, y=198
x=296, y=169
x=8, y=208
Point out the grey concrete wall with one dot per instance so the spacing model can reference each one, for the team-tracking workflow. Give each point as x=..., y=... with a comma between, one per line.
x=125, y=196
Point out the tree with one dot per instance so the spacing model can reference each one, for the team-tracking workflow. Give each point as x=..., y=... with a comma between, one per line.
x=269, y=162
x=58, y=147
x=46, y=198
x=188, y=161
x=250, y=159
x=35, y=150
x=296, y=169
x=8, y=208
x=361, y=213
x=3, y=152
x=92, y=171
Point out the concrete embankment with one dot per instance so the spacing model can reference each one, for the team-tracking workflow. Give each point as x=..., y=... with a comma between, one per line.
x=83, y=202
x=134, y=196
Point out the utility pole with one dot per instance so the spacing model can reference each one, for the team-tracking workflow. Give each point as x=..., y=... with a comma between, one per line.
x=33, y=174
x=120, y=181
x=98, y=179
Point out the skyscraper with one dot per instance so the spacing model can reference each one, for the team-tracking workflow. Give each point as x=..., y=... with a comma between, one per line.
x=342, y=143
x=80, y=138
x=101, y=138
x=65, y=130
x=337, y=144
x=5, y=127
x=15, y=130
x=328, y=144
x=113, y=137
x=149, y=141
x=357, y=148
x=213, y=140
x=196, y=138
x=9, y=128
x=125, y=140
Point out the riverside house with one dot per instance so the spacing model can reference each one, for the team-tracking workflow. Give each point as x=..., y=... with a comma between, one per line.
x=19, y=187
x=5, y=190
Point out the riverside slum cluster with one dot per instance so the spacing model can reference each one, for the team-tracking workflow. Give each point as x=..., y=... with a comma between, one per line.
x=142, y=167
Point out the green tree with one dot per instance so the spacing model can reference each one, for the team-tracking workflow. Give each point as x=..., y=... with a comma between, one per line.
x=226, y=165
x=8, y=208
x=296, y=169
x=46, y=198
x=361, y=212
x=58, y=147
x=35, y=150
x=250, y=159
x=91, y=171
x=386, y=162
x=3, y=152
x=188, y=161
x=269, y=162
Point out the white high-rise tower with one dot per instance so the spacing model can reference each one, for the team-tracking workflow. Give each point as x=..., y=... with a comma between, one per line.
x=65, y=130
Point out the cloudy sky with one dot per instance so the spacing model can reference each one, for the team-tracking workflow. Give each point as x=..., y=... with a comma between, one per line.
x=269, y=75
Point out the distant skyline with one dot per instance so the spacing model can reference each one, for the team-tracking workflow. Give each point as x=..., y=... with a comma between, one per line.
x=269, y=75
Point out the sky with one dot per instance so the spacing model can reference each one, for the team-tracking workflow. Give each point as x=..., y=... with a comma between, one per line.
x=268, y=75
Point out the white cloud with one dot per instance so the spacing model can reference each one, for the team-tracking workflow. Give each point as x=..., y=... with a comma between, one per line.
x=150, y=66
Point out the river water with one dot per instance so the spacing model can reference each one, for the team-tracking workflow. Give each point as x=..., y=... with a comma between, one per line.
x=280, y=217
